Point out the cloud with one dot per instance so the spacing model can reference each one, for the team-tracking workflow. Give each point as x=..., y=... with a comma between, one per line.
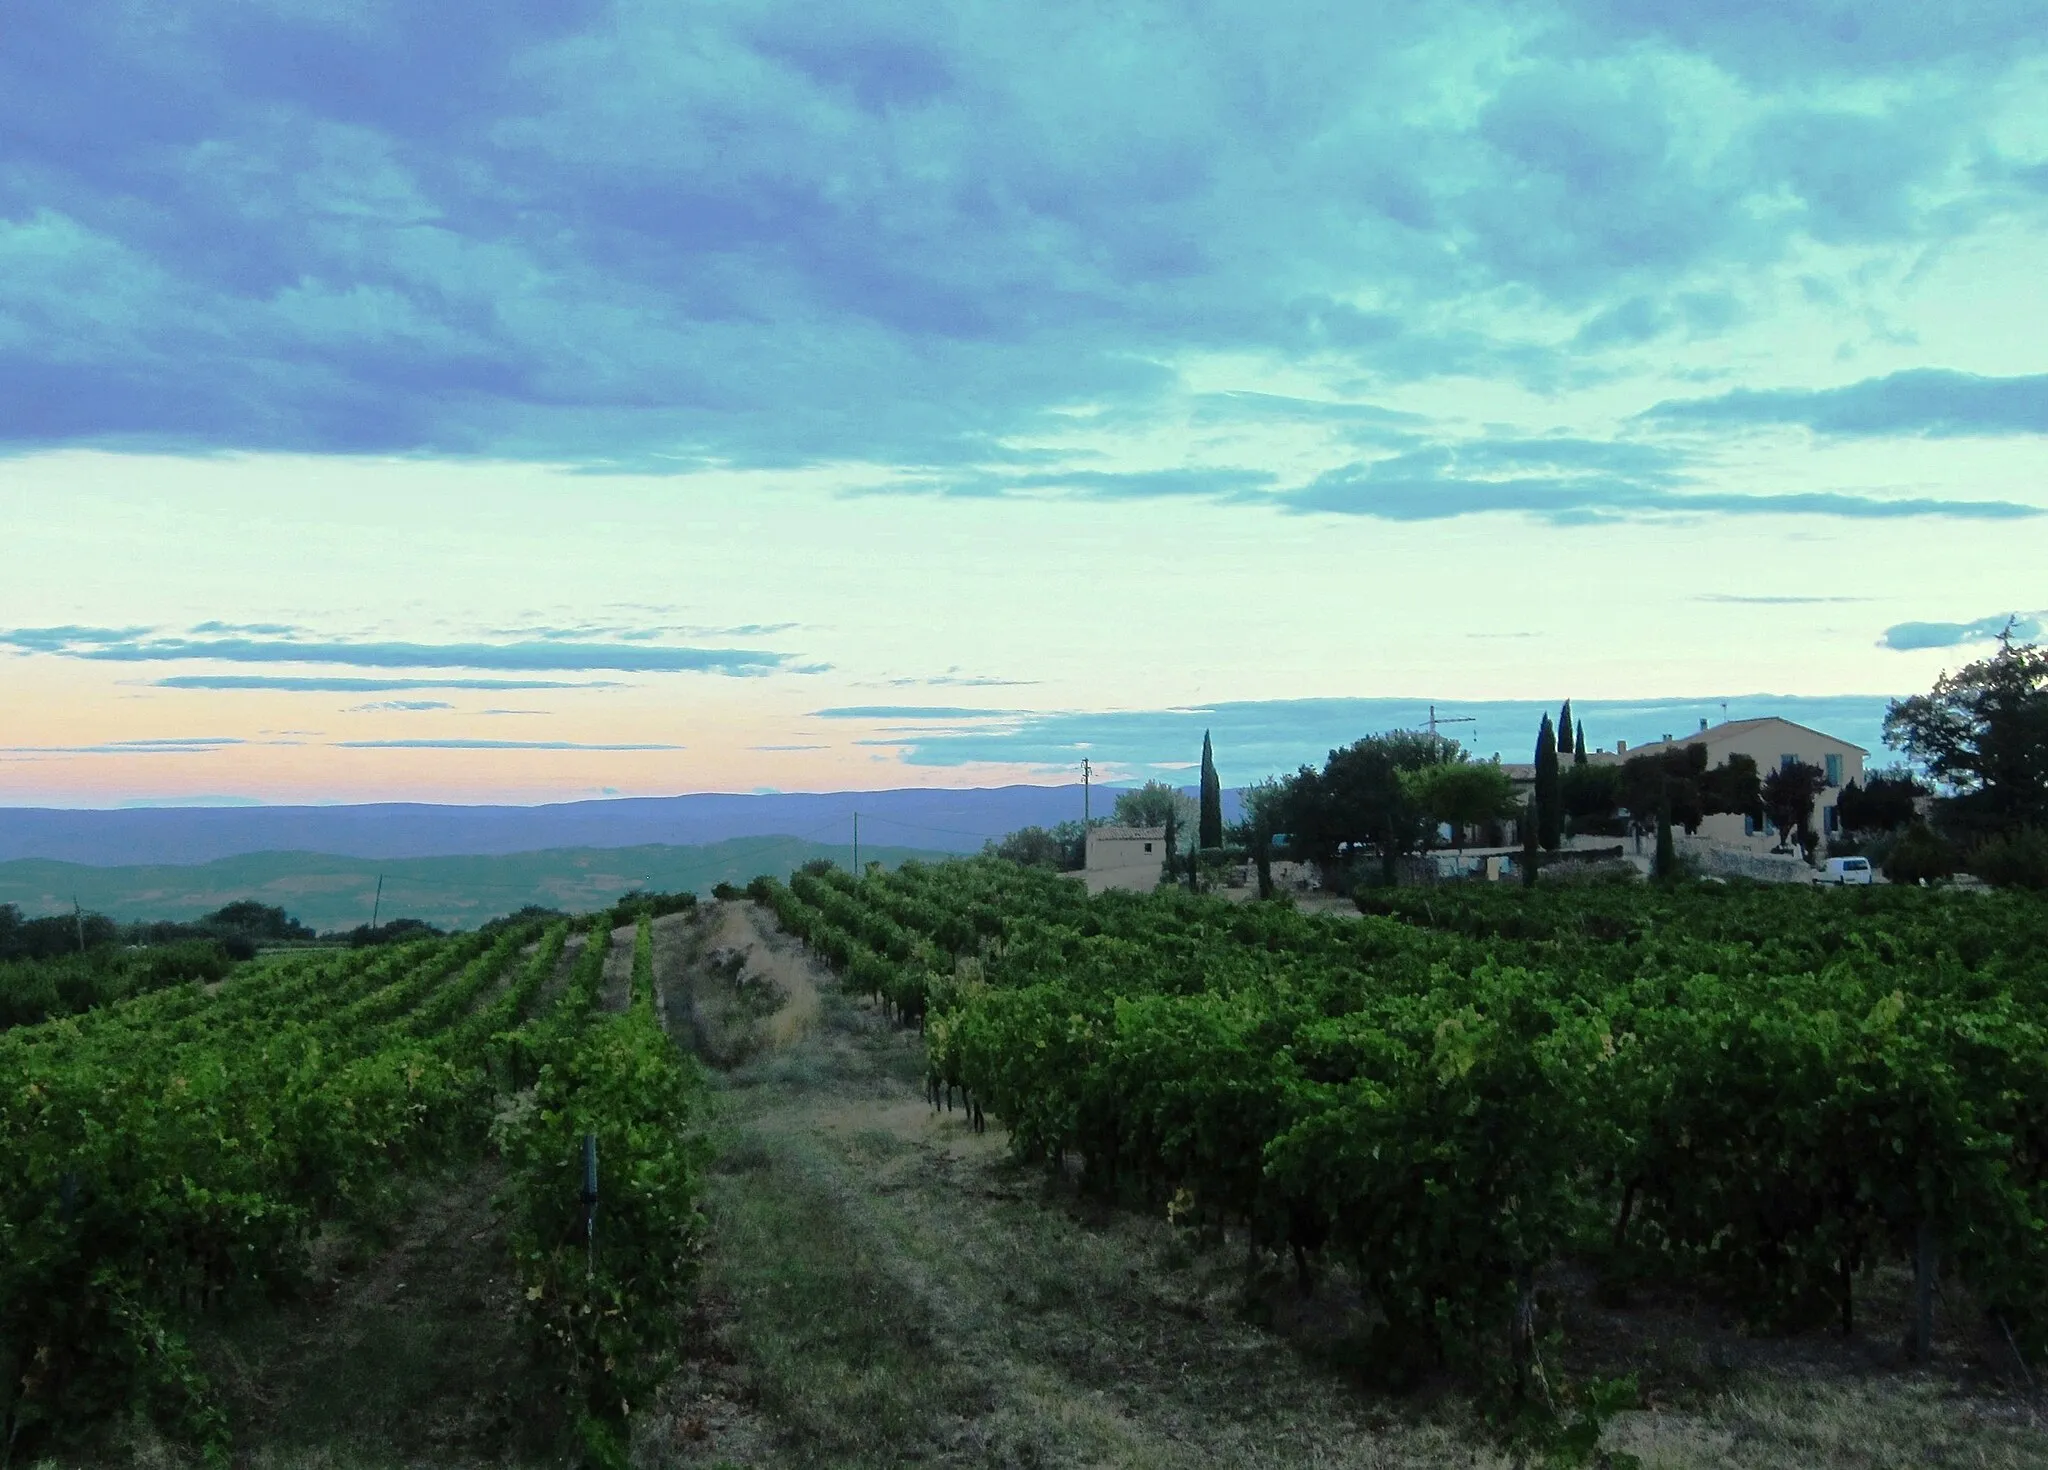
x=588, y=235
x=276, y=630
x=400, y=704
x=1745, y=601
x=909, y=712
x=314, y=684
x=1934, y=403
x=534, y=655
x=168, y=745
x=959, y=681
x=1910, y=637
x=1257, y=738
x=489, y=745
x=1582, y=480
x=1208, y=482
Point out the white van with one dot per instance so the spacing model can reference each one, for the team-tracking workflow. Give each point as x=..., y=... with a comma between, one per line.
x=1844, y=870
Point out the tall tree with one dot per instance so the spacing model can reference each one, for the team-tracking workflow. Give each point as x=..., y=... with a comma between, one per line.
x=1579, y=745
x=1530, y=858
x=1983, y=733
x=1212, y=799
x=1788, y=796
x=1565, y=731
x=1549, y=794
x=1358, y=800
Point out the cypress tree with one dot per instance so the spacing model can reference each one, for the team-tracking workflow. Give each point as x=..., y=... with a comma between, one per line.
x=1579, y=745
x=1527, y=822
x=1210, y=832
x=1549, y=793
x=1564, y=730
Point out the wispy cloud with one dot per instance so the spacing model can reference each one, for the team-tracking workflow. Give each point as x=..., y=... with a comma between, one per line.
x=168, y=745
x=1931, y=402
x=537, y=655
x=1581, y=480
x=1909, y=637
x=953, y=679
x=1741, y=600
x=274, y=630
x=456, y=744
x=399, y=704
x=910, y=712
x=317, y=684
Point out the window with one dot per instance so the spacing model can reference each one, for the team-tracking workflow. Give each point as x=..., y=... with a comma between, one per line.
x=1828, y=820
x=1786, y=762
x=1834, y=770
x=1148, y=847
x=1750, y=825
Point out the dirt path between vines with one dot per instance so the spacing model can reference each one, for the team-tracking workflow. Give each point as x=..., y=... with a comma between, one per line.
x=883, y=1287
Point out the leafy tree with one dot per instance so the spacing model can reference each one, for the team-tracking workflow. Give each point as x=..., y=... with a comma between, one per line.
x=1665, y=781
x=1156, y=804
x=1983, y=733
x=1789, y=793
x=1733, y=787
x=1884, y=802
x=1358, y=799
x=1463, y=793
x=253, y=920
x=1061, y=848
x=1549, y=797
x=1264, y=814
x=1579, y=745
x=1565, y=731
x=1592, y=797
x=1211, y=834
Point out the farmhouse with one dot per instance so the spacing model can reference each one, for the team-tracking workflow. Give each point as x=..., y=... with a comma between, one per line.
x=1133, y=858
x=1771, y=742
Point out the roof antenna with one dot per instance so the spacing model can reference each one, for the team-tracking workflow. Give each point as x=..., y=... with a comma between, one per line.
x=1724, y=711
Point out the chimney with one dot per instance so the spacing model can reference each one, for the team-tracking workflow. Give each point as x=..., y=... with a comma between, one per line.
x=1621, y=747
x=1703, y=724
x=1667, y=737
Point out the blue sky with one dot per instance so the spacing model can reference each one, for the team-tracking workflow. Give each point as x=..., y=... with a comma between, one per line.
x=376, y=378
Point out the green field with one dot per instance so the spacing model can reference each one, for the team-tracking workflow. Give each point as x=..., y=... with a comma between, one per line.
x=332, y=893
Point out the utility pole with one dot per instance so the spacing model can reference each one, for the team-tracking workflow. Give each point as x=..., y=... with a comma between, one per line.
x=1087, y=809
x=856, y=844
x=377, y=904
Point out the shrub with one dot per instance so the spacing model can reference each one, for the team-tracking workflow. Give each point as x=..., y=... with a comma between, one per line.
x=2014, y=860
x=1920, y=855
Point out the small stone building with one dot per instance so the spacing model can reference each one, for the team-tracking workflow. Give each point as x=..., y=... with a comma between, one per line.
x=1124, y=857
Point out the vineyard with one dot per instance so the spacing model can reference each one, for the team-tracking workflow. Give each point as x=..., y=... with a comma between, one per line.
x=1764, y=1095
x=1449, y=1122
x=166, y=1161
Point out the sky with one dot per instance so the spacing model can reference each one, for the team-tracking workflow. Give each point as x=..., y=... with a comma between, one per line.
x=551, y=400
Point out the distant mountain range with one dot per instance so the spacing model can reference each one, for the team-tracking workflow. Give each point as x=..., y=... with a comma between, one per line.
x=452, y=892
x=921, y=817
